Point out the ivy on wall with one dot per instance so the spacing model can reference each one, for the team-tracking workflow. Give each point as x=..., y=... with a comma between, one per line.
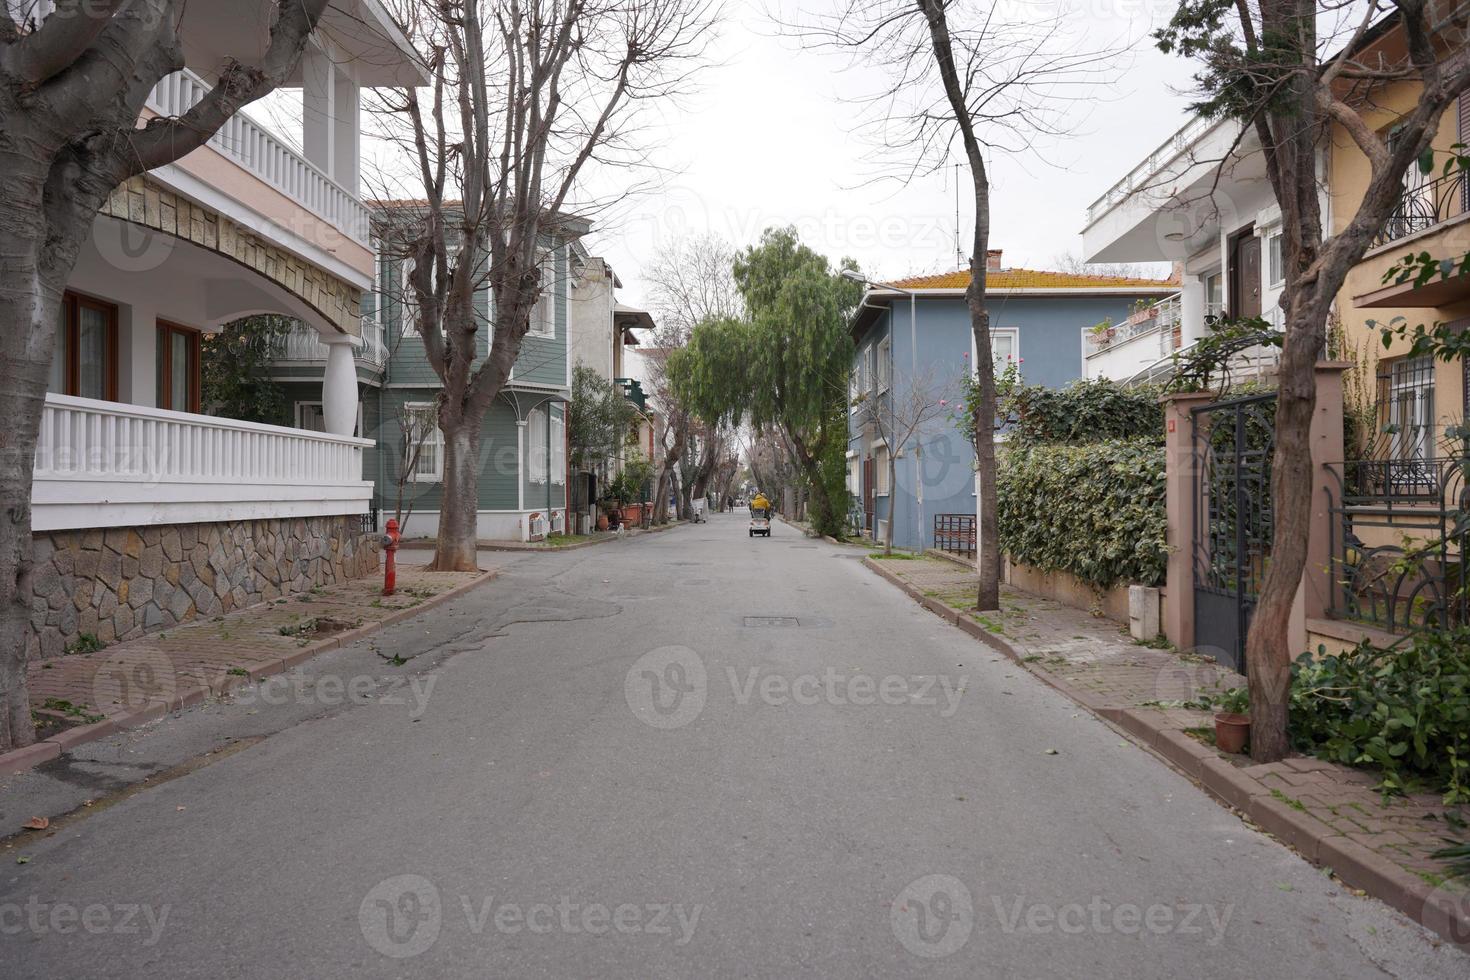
x=1095, y=510
x=1085, y=411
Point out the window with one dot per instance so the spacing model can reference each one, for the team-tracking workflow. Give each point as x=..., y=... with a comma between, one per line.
x=309, y=416
x=85, y=362
x=424, y=437
x=178, y=367
x=1408, y=384
x=558, y=449
x=880, y=464
x=536, y=461
x=870, y=378
x=543, y=314
x=1276, y=258
x=885, y=347
x=1214, y=295
x=1005, y=348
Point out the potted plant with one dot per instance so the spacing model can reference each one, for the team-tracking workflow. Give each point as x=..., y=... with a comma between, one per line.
x=1143, y=309
x=1102, y=333
x=1232, y=720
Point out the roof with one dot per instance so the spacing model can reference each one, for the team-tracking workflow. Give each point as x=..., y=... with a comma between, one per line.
x=1032, y=279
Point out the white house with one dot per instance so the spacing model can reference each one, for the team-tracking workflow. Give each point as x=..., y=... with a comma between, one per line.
x=156, y=512
x=1201, y=200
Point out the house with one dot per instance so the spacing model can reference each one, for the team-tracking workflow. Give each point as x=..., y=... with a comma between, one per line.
x=147, y=512
x=1203, y=200
x=602, y=332
x=918, y=330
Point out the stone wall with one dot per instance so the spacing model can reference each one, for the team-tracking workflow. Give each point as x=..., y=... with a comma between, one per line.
x=117, y=583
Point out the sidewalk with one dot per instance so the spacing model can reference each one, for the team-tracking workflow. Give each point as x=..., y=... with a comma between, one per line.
x=84, y=696
x=1330, y=814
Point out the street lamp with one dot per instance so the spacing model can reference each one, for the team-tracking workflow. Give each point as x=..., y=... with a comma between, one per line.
x=856, y=276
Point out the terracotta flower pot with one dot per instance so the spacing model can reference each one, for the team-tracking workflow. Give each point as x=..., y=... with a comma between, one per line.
x=1231, y=731
x=602, y=522
x=631, y=513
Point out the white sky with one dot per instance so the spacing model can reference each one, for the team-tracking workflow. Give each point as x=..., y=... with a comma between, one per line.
x=768, y=140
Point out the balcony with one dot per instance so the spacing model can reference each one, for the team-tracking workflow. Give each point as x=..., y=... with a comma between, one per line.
x=1121, y=351
x=107, y=464
x=305, y=344
x=262, y=154
x=1426, y=206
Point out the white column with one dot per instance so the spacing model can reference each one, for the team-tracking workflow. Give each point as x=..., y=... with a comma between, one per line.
x=346, y=130
x=319, y=110
x=520, y=464
x=137, y=356
x=1191, y=308
x=339, y=387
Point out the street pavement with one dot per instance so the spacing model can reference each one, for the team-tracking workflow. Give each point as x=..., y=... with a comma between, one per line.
x=693, y=754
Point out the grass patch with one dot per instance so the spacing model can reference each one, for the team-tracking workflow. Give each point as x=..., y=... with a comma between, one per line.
x=1202, y=734
x=1276, y=794
x=896, y=556
x=86, y=643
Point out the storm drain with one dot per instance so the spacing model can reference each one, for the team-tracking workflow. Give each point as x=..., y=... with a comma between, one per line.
x=771, y=621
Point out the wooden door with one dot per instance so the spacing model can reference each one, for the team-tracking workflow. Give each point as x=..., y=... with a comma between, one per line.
x=1245, y=279
x=869, y=490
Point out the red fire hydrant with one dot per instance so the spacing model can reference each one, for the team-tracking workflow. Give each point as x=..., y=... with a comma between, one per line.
x=390, y=547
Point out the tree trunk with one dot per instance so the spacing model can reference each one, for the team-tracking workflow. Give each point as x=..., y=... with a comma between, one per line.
x=811, y=468
x=36, y=255
x=892, y=496
x=455, y=548
x=1267, y=651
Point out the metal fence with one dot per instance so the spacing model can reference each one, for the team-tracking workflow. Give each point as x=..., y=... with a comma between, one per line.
x=1399, y=535
x=955, y=533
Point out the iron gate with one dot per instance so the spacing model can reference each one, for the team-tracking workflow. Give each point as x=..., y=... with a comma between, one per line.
x=1233, y=442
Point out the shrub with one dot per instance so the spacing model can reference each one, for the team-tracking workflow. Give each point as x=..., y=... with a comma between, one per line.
x=1096, y=511
x=1404, y=710
x=1085, y=411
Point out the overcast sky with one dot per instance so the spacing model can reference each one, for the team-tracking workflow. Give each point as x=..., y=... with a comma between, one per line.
x=769, y=140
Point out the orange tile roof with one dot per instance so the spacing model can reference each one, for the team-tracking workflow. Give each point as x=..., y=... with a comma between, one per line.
x=1031, y=279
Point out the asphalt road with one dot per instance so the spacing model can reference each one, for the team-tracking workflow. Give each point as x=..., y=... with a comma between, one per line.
x=688, y=755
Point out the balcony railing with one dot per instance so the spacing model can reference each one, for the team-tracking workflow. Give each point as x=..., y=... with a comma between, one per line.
x=305, y=344
x=255, y=149
x=1429, y=204
x=1161, y=318
x=1141, y=175
x=107, y=464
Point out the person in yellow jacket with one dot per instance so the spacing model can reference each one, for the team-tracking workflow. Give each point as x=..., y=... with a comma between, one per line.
x=760, y=502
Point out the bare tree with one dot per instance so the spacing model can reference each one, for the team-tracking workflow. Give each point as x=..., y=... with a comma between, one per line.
x=526, y=96
x=1075, y=264
x=915, y=408
x=1269, y=65
x=985, y=83
x=72, y=87
x=691, y=280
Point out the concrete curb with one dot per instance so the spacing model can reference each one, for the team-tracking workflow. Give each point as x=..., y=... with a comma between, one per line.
x=19, y=760
x=1354, y=864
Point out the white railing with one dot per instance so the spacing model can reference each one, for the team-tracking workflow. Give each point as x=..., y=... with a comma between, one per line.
x=1151, y=165
x=254, y=148
x=1163, y=318
x=305, y=344
x=106, y=464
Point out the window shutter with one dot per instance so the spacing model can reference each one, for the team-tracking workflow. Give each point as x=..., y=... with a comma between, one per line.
x=1465, y=117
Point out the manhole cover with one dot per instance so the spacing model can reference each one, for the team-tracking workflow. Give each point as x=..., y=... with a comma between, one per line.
x=771, y=621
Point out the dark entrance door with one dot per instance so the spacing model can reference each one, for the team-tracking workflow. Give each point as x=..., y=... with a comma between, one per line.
x=868, y=493
x=1245, y=275
x=1233, y=441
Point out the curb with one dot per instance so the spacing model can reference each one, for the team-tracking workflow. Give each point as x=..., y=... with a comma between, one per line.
x=19, y=760
x=1354, y=864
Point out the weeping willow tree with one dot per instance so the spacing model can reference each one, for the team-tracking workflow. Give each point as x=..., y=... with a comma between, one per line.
x=784, y=364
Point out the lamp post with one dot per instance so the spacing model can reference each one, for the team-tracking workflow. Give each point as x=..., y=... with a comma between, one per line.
x=855, y=276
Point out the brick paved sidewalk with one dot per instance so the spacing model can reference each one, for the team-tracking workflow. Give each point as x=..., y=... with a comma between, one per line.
x=1330, y=813
x=82, y=696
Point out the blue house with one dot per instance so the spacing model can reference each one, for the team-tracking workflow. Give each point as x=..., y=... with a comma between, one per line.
x=904, y=359
x=523, y=485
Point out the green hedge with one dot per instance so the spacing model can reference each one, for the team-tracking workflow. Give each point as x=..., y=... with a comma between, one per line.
x=1085, y=411
x=1096, y=510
